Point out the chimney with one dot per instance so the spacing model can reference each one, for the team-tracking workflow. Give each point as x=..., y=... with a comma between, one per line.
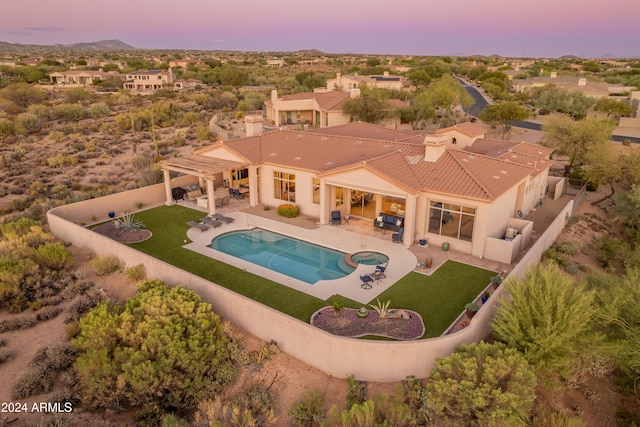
x=434, y=147
x=253, y=124
x=274, y=95
x=339, y=80
x=582, y=82
x=554, y=74
x=386, y=74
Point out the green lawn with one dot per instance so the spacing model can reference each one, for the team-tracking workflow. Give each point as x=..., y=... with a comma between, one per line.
x=438, y=298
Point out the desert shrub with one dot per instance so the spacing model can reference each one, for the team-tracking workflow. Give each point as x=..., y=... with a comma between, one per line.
x=173, y=335
x=256, y=407
x=76, y=94
x=70, y=112
x=481, y=384
x=103, y=265
x=5, y=355
x=308, y=411
x=288, y=210
x=357, y=393
x=83, y=304
x=48, y=313
x=60, y=160
x=136, y=273
x=43, y=370
x=53, y=256
x=27, y=123
x=570, y=247
x=611, y=251
x=99, y=110
x=16, y=323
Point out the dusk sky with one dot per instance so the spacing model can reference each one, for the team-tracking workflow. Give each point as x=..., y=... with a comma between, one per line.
x=540, y=28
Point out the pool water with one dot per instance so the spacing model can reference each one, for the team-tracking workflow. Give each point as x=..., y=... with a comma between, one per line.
x=295, y=258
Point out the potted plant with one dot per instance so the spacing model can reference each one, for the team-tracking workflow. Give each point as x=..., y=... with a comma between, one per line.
x=337, y=307
x=428, y=262
x=472, y=308
x=363, y=312
x=496, y=281
x=111, y=214
x=485, y=296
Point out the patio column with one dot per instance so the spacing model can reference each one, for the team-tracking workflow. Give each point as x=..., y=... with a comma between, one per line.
x=409, y=220
x=253, y=186
x=211, y=197
x=326, y=202
x=167, y=187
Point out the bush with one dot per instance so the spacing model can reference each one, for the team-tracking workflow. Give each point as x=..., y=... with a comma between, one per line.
x=5, y=355
x=288, y=210
x=53, y=256
x=308, y=411
x=136, y=273
x=481, y=383
x=45, y=366
x=611, y=251
x=170, y=335
x=48, y=313
x=103, y=265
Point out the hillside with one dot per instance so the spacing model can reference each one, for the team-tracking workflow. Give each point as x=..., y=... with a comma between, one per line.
x=102, y=45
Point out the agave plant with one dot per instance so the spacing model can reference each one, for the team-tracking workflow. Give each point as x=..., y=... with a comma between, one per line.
x=127, y=222
x=382, y=309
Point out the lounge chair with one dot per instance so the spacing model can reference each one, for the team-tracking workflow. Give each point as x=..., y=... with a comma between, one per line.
x=223, y=218
x=335, y=218
x=211, y=222
x=366, y=281
x=397, y=237
x=197, y=225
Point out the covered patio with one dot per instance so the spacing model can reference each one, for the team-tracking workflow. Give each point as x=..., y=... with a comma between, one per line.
x=214, y=177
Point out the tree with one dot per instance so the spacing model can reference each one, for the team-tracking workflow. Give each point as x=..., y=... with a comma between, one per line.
x=571, y=102
x=576, y=139
x=441, y=97
x=419, y=77
x=165, y=350
x=371, y=106
x=503, y=112
x=23, y=94
x=233, y=76
x=613, y=106
x=619, y=299
x=627, y=210
x=482, y=384
x=604, y=166
x=546, y=317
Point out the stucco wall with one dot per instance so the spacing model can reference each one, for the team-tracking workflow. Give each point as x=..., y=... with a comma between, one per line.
x=334, y=355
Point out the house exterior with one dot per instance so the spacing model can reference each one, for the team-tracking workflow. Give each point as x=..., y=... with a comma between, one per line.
x=467, y=197
x=582, y=84
x=81, y=77
x=181, y=84
x=386, y=81
x=320, y=109
x=149, y=80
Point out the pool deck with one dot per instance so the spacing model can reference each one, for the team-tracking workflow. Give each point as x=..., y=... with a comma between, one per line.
x=401, y=259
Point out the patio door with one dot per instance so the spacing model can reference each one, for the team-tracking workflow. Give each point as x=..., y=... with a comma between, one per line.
x=363, y=204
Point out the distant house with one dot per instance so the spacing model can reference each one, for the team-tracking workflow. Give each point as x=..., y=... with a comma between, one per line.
x=81, y=77
x=319, y=109
x=276, y=62
x=149, y=80
x=181, y=84
x=582, y=84
x=385, y=81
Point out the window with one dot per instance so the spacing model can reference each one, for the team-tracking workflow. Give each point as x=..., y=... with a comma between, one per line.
x=340, y=192
x=284, y=186
x=452, y=221
x=315, y=190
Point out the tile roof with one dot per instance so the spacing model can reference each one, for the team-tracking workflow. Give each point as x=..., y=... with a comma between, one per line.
x=524, y=153
x=466, y=128
x=331, y=100
x=330, y=151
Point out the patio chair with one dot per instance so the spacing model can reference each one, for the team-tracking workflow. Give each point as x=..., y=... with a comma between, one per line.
x=223, y=218
x=381, y=269
x=211, y=222
x=366, y=281
x=397, y=237
x=197, y=225
x=335, y=218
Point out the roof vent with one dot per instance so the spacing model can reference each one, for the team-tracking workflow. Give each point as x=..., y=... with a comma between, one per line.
x=496, y=176
x=273, y=154
x=297, y=158
x=503, y=172
x=329, y=163
x=358, y=142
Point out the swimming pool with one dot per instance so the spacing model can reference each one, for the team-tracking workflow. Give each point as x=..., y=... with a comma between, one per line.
x=296, y=258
